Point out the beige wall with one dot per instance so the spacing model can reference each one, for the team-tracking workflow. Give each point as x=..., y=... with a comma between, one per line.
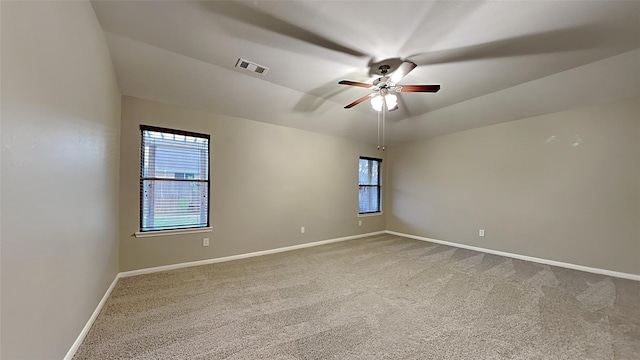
x=60, y=129
x=563, y=186
x=267, y=181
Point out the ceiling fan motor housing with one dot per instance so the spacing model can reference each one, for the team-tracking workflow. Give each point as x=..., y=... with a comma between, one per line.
x=381, y=82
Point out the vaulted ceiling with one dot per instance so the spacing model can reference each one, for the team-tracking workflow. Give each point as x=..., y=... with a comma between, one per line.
x=496, y=61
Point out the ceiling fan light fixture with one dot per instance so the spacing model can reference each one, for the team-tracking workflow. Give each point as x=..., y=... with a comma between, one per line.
x=376, y=102
x=391, y=100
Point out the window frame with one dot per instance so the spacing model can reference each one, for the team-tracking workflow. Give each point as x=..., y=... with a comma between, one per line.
x=378, y=186
x=175, y=229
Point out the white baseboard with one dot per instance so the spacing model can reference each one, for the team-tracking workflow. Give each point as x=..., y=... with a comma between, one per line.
x=92, y=319
x=523, y=257
x=243, y=256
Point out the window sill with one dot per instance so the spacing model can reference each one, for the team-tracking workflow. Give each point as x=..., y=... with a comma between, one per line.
x=371, y=214
x=172, y=232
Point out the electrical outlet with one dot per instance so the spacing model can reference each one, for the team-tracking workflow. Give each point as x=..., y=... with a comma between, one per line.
x=481, y=232
x=205, y=242
x=359, y=222
x=302, y=230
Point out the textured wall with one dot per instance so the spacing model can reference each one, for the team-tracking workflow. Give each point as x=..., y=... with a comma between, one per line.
x=267, y=181
x=563, y=186
x=60, y=130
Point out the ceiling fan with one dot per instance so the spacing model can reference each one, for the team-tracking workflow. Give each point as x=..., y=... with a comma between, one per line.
x=384, y=87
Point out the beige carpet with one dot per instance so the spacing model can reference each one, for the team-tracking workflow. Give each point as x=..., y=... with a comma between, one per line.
x=381, y=297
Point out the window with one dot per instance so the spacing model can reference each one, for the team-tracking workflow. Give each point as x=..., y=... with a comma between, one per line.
x=370, y=191
x=174, y=179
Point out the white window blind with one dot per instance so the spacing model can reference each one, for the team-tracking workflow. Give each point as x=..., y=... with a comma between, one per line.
x=370, y=190
x=174, y=179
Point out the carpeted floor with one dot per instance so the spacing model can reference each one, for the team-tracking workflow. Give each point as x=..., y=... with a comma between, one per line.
x=382, y=297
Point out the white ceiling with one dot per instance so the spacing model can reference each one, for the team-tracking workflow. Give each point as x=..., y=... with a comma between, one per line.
x=487, y=55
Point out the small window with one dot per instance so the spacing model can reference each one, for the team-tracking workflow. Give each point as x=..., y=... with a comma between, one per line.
x=174, y=179
x=370, y=191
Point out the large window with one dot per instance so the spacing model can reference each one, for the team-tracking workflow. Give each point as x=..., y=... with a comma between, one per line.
x=370, y=191
x=174, y=179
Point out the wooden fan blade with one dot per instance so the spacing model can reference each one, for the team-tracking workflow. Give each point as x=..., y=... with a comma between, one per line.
x=418, y=88
x=354, y=83
x=402, y=71
x=358, y=101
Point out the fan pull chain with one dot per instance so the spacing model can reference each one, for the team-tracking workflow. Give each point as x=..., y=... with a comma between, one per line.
x=378, y=130
x=384, y=121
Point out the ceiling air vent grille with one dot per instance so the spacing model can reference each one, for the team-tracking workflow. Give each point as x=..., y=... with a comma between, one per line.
x=251, y=66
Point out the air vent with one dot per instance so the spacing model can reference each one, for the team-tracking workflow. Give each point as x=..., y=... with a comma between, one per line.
x=251, y=66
